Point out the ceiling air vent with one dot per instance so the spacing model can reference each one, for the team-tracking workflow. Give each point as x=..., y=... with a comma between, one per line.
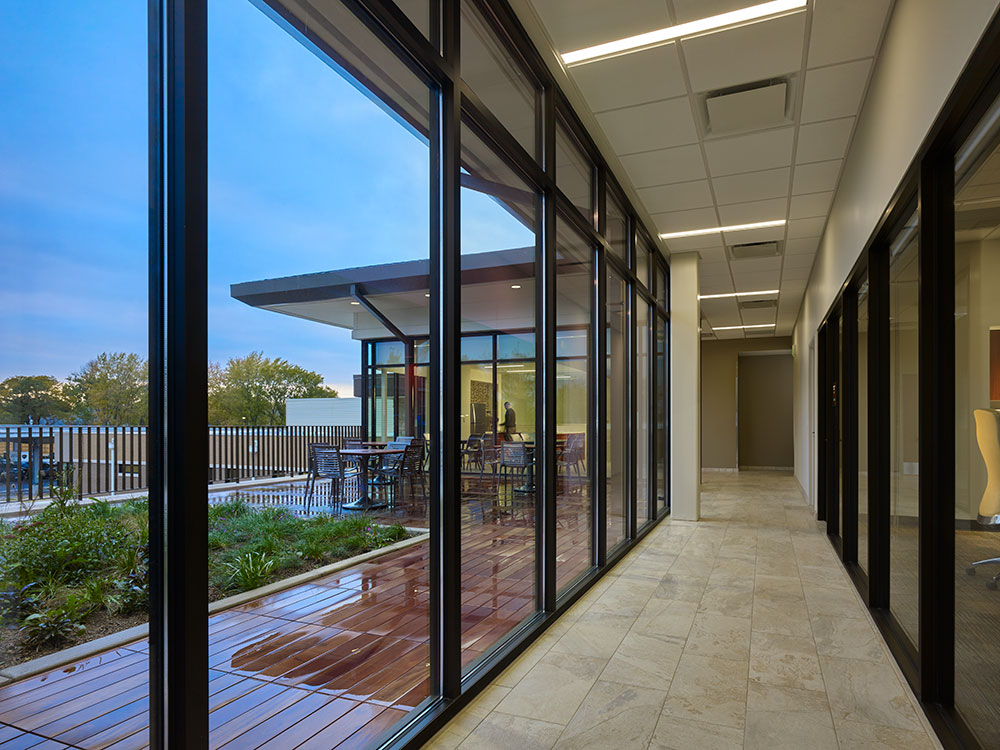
x=753, y=106
x=759, y=304
x=749, y=250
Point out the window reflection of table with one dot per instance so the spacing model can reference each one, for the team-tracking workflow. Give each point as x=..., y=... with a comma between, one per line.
x=365, y=502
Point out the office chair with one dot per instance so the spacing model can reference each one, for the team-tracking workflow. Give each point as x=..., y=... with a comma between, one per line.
x=988, y=437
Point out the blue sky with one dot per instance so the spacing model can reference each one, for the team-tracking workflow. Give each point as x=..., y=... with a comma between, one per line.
x=306, y=174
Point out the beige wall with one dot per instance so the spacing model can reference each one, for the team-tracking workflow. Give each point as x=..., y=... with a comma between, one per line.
x=927, y=42
x=765, y=412
x=719, y=366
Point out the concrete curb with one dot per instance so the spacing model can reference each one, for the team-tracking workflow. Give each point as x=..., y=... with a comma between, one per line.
x=121, y=638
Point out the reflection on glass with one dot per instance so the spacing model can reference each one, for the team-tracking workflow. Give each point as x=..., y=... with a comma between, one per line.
x=574, y=482
x=616, y=229
x=497, y=503
x=841, y=422
x=977, y=399
x=497, y=78
x=574, y=173
x=642, y=406
x=643, y=252
x=662, y=434
x=904, y=325
x=862, y=355
x=617, y=406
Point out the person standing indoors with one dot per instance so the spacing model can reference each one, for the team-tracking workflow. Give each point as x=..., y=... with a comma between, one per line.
x=509, y=421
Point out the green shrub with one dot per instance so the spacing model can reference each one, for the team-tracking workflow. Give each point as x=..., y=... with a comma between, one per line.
x=250, y=570
x=56, y=625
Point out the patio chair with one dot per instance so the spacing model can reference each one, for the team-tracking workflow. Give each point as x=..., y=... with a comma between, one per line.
x=489, y=455
x=311, y=469
x=513, y=459
x=330, y=465
x=572, y=454
x=470, y=451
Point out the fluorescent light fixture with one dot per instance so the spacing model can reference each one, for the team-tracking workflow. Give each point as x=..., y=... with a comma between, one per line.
x=738, y=294
x=515, y=286
x=736, y=328
x=427, y=294
x=662, y=36
x=716, y=230
x=355, y=303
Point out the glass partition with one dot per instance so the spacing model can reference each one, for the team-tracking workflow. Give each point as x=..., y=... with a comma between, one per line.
x=904, y=375
x=862, y=439
x=642, y=363
x=977, y=429
x=616, y=229
x=574, y=172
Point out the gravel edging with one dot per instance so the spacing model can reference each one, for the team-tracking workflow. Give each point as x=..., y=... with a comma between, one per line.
x=121, y=638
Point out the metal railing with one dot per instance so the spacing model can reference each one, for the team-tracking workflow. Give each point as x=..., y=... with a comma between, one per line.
x=36, y=460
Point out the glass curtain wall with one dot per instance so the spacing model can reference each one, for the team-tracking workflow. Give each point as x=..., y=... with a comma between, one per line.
x=575, y=173
x=617, y=391
x=862, y=434
x=662, y=414
x=904, y=332
x=74, y=370
x=309, y=143
x=499, y=235
x=977, y=429
x=574, y=404
x=643, y=415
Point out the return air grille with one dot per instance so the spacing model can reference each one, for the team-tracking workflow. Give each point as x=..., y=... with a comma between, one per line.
x=750, y=250
x=753, y=106
x=759, y=304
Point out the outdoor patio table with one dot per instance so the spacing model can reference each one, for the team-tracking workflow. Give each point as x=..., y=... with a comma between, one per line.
x=365, y=502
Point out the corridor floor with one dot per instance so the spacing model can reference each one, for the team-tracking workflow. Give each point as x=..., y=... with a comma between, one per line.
x=739, y=631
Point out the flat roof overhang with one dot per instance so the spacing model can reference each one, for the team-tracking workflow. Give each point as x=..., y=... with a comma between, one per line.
x=400, y=290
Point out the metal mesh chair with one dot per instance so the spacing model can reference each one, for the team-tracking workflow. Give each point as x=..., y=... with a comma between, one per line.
x=330, y=465
x=513, y=459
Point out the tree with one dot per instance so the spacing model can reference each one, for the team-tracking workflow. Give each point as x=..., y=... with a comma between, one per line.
x=33, y=398
x=113, y=389
x=253, y=389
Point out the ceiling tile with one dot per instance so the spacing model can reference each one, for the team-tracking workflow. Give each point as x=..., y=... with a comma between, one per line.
x=823, y=140
x=754, y=211
x=738, y=188
x=796, y=273
x=649, y=126
x=766, y=49
x=816, y=177
x=645, y=76
x=682, y=221
x=845, y=30
x=664, y=167
x=749, y=153
x=677, y=197
x=714, y=255
x=802, y=246
x=574, y=24
x=715, y=285
x=752, y=317
x=713, y=268
x=835, y=91
x=799, y=261
x=798, y=228
x=755, y=265
x=751, y=282
x=716, y=308
x=686, y=244
x=812, y=204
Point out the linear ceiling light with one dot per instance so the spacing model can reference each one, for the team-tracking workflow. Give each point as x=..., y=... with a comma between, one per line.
x=716, y=230
x=736, y=328
x=738, y=294
x=662, y=36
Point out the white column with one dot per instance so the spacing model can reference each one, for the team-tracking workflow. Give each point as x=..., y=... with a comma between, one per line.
x=685, y=388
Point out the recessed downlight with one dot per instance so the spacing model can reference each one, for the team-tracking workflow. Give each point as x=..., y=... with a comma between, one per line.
x=718, y=230
x=670, y=33
x=738, y=294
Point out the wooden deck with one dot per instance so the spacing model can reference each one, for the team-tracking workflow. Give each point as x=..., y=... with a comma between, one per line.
x=330, y=664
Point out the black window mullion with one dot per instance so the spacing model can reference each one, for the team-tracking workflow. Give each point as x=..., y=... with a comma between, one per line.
x=822, y=397
x=600, y=497
x=849, y=468
x=633, y=418
x=879, y=429
x=937, y=429
x=178, y=390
